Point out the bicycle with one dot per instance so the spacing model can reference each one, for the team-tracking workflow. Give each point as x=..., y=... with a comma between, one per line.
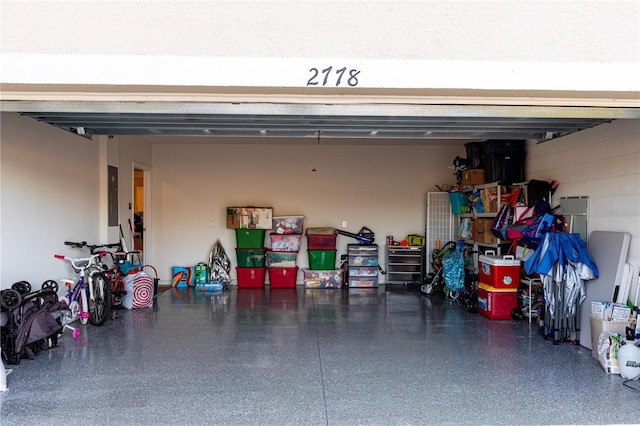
x=113, y=273
x=89, y=297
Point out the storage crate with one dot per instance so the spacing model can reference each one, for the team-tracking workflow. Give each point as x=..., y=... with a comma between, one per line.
x=460, y=202
x=475, y=155
x=250, y=258
x=504, y=160
x=599, y=326
x=251, y=277
x=362, y=260
x=283, y=277
x=363, y=281
x=281, y=259
x=322, y=259
x=321, y=238
x=281, y=242
x=499, y=271
x=250, y=238
x=215, y=286
x=288, y=224
x=323, y=279
x=496, y=303
x=363, y=272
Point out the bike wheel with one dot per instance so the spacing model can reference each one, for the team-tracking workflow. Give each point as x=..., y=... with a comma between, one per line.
x=10, y=299
x=100, y=301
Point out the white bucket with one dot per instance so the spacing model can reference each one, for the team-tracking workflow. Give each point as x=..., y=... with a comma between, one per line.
x=3, y=377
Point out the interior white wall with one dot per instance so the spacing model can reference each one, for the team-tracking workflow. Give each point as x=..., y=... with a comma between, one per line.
x=602, y=163
x=50, y=194
x=381, y=187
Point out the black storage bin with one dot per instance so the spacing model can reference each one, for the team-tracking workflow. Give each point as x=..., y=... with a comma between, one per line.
x=475, y=155
x=504, y=160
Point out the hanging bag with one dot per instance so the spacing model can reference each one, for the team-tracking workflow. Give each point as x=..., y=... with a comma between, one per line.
x=504, y=218
x=523, y=212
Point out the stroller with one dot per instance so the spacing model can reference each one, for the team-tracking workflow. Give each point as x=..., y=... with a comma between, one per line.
x=36, y=320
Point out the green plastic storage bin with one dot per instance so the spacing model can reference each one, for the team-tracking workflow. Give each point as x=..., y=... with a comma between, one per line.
x=251, y=258
x=322, y=259
x=250, y=238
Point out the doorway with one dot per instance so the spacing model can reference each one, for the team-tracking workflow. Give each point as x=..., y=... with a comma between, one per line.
x=140, y=219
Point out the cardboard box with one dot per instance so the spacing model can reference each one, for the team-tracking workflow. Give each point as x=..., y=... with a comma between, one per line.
x=482, y=231
x=598, y=308
x=249, y=218
x=609, y=311
x=620, y=312
x=473, y=177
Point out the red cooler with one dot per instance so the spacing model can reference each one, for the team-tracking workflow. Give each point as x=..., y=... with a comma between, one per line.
x=496, y=303
x=499, y=271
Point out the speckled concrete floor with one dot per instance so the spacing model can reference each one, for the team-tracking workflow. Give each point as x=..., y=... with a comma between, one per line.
x=312, y=357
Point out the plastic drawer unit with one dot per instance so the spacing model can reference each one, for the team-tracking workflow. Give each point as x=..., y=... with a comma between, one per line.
x=363, y=265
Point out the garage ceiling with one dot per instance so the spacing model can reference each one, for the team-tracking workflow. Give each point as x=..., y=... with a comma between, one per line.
x=368, y=121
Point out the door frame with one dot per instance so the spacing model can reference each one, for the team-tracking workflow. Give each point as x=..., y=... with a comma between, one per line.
x=146, y=246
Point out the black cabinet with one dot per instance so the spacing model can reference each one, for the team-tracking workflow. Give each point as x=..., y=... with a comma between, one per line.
x=405, y=264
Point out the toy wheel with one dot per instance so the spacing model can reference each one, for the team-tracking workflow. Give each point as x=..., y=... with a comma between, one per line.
x=10, y=299
x=472, y=306
x=50, y=285
x=516, y=314
x=22, y=287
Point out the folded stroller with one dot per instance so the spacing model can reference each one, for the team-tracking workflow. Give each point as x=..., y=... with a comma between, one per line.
x=35, y=322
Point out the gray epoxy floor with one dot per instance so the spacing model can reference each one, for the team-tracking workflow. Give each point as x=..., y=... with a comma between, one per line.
x=313, y=357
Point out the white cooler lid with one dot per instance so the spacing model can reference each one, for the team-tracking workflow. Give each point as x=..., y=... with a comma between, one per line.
x=507, y=260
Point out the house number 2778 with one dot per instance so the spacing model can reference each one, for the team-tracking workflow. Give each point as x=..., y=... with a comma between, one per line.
x=329, y=76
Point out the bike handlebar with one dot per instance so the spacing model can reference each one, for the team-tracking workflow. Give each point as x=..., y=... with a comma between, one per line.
x=75, y=244
x=93, y=247
x=81, y=263
x=122, y=256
